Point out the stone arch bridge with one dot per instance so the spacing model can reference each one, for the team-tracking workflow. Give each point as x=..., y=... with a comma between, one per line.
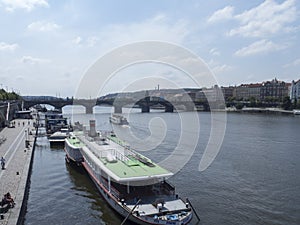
x=118, y=103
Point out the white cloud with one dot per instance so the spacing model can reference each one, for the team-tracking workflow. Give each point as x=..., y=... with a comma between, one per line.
x=266, y=19
x=91, y=41
x=160, y=27
x=258, y=47
x=296, y=62
x=43, y=26
x=221, y=14
x=11, y=5
x=218, y=68
x=33, y=61
x=214, y=52
x=221, y=69
x=77, y=40
x=8, y=47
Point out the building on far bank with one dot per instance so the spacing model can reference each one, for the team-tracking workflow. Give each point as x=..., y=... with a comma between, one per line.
x=246, y=91
x=213, y=94
x=228, y=92
x=274, y=89
x=295, y=91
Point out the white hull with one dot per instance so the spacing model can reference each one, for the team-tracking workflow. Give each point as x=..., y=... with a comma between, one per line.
x=58, y=138
x=118, y=120
x=73, y=153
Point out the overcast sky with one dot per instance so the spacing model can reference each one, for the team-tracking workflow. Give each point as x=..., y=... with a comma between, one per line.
x=46, y=46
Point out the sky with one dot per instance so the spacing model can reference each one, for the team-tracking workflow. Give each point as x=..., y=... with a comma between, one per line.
x=47, y=46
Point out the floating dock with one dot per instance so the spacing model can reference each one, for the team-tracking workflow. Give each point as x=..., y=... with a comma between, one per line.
x=17, y=146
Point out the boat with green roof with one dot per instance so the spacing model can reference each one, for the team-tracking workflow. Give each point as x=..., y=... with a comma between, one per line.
x=131, y=183
x=72, y=149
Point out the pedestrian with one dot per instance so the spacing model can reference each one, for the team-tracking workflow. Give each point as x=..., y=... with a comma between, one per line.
x=2, y=163
x=8, y=200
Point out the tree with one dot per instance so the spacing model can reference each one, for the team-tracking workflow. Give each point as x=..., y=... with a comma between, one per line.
x=239, y=106
x=8, y=95
x=252, y=101
x=298, y=105
x=286, y=103
x=295, y=103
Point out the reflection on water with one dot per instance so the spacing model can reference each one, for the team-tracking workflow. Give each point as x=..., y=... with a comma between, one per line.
x=63, y=194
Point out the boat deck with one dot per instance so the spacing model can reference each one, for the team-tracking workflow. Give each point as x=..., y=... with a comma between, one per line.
x=150, y=209
x=123, y=162
x=75, y=142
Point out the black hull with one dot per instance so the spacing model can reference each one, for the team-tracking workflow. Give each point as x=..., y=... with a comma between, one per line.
x=117, y=207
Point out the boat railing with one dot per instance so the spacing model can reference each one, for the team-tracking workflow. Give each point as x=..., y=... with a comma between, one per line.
x=104, y=153
x=113, y=190
x=116, y=154
x=87, y=144
x=168, y=185
x=117, y=140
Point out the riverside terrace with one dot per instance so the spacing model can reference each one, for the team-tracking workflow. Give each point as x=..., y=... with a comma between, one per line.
x=17, y=149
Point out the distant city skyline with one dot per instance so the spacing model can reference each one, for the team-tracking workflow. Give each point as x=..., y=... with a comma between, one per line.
x=158, y=87
x=47, y=46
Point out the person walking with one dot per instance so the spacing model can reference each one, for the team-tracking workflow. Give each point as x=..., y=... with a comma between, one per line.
x=2, y=163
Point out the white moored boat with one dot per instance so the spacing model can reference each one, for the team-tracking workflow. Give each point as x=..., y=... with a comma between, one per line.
x=118, y=119
x=72, y=149
x=132, y=184
x=58, y=138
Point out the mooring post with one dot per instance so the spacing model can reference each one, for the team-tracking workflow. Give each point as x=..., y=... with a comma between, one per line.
x=131, y=211
x=193, y=209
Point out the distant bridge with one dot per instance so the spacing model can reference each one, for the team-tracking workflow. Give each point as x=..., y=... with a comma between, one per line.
x=118, y=103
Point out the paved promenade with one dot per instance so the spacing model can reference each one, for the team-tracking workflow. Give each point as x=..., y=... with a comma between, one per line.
x=18, y=159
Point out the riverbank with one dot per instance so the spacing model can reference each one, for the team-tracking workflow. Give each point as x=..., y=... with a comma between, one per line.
x=261, y=110
x=17, y=149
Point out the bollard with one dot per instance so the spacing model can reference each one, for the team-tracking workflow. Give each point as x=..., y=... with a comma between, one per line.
x=27, y=144
x=17, y=172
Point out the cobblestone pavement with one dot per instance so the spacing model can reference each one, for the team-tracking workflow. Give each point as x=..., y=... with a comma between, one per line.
x=13, y=179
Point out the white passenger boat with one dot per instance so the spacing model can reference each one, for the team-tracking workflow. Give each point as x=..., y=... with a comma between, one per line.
x=72, y=149
x=58, y=138
x=132, y=184
x=118, y=119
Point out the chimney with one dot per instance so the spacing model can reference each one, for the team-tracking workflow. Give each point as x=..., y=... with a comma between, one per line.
x=93, y=132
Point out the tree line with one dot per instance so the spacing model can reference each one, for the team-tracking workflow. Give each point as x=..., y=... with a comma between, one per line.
x=284, y=103
x=4, y=96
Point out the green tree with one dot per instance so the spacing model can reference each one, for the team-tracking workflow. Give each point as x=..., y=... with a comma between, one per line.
x=295, y=103
x=298, y=105
x=8, y=95
x=286, y=103
x=239, y=106
x=252, y=101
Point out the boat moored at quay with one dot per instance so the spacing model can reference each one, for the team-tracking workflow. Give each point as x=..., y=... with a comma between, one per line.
x=72, y=148
x=131, y=184
x=58, y=138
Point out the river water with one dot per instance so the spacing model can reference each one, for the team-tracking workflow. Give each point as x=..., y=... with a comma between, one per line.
x=255, y=178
